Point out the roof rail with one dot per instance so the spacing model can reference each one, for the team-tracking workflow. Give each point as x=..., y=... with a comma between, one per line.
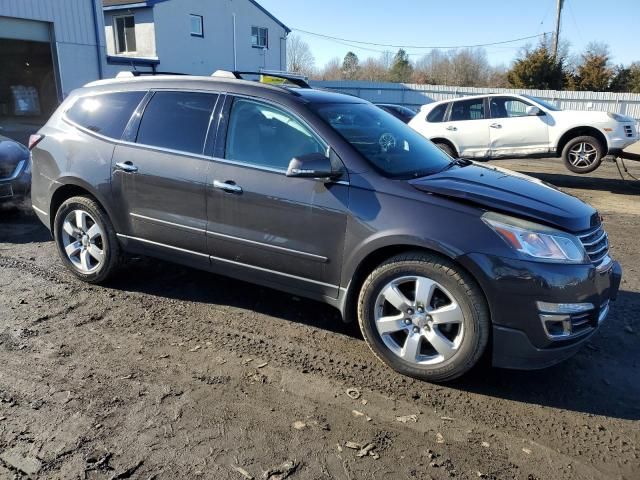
x=295, y=79
x=138, y=73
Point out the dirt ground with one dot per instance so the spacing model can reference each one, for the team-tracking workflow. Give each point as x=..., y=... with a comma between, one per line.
x=172, y=373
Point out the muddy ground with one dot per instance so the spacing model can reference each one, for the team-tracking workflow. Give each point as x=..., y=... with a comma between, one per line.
x=172, y=373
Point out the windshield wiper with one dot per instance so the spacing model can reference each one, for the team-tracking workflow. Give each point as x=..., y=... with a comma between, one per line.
x=458, y=162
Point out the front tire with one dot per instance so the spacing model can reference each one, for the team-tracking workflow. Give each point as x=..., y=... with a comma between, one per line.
x=424, y=317
x=583, y=154
x=86, y=240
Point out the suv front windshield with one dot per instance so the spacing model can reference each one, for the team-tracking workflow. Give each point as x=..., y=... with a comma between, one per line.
x=390, y=145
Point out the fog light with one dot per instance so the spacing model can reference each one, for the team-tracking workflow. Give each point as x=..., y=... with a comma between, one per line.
x=564, y=308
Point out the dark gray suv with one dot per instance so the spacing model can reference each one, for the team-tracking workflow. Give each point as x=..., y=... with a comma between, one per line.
x=325, y=196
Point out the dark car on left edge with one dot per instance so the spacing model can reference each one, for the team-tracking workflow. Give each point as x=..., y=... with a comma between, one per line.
x=15, y=170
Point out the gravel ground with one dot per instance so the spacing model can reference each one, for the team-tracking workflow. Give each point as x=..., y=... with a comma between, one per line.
x=172, y=373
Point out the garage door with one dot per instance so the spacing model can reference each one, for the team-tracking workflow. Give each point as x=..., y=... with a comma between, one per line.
x=28, y=86
x=19, y=29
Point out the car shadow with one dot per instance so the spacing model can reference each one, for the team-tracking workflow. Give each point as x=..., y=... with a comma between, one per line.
x=186, y=284
x=602, y=379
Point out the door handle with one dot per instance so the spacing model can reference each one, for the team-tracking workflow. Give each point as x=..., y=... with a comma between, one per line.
x=227, y=186
x=127, y=166
x=495, y=125
x=452, y=128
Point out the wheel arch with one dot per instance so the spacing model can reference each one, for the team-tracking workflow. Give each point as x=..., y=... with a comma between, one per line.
x=447, y=141
x=372, y=259
x=578, y=132
x=72, y=187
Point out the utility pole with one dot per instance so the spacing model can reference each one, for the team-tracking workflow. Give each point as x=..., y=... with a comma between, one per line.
x=556, y=36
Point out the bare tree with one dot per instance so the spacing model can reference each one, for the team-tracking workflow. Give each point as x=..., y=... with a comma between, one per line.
x=463, y=67
x=373, y=70
x=386, y=59
x=299, y=56
x=332, y=70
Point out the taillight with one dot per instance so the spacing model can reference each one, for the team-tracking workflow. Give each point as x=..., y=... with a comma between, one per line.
x=34, y=140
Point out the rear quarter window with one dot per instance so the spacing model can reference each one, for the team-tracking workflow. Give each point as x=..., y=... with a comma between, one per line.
x=437, y=114
x=107, y=113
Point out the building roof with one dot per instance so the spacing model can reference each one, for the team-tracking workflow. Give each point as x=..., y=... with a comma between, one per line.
x=113, y=4
x=270, y=15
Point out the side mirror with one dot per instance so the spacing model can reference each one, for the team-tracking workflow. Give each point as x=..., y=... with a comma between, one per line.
x=533, y=111
x=312, y=165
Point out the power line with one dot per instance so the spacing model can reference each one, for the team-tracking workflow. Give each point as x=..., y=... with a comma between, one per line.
x=338, y=39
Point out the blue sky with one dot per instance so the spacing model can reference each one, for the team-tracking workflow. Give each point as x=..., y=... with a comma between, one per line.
x=460, y=22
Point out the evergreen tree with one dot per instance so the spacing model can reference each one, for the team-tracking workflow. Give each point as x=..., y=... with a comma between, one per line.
x=538, y=69
x=594, y=74
x=350, y=66
x=401, y=68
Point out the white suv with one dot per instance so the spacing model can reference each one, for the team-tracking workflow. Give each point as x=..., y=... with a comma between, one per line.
x=502, y=125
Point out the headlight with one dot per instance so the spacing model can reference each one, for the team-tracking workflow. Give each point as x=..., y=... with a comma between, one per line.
x=536, y=241
x=617, y=118
x=27, y=168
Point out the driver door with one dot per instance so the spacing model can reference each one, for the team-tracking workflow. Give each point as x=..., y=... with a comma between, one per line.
x=262, y=224
x=513, y=132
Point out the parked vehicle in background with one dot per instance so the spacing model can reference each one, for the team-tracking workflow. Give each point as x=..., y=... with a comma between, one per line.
x=400, y=112
x=326, y=196
x=493, y=126
x=15, y=170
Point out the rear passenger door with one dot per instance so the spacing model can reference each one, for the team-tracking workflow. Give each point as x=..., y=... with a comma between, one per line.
x=263, y=225
x=160, y=171
x=467, y=126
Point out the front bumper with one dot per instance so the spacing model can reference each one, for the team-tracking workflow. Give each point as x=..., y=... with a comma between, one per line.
x=624, y=135
x=514, y=289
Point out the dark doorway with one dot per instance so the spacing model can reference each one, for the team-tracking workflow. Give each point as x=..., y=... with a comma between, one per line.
x=28, y=91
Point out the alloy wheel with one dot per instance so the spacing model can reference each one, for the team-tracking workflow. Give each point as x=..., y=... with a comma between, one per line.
x=583, y=155
x=83, y=241
x=419, y=320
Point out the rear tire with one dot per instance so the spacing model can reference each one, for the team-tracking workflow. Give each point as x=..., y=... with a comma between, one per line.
x=446, y=148
x=443, y=331
x=86, y=240
x=583, y=154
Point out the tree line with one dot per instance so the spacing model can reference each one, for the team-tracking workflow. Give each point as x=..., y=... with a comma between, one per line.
x=534, y=67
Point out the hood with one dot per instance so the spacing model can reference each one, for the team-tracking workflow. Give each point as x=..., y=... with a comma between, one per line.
x=590, y=116
x=503, y=190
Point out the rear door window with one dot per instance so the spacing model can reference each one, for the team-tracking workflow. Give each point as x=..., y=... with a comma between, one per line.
x=177, y=121
x=106, y=114
x=468, y=110
x=437, y=114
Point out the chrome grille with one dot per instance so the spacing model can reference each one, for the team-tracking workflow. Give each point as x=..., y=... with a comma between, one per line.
x=596, y=244
x=628, y=130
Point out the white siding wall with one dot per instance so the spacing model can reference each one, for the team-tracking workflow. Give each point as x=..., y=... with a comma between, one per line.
x=178, y=51
x=73, y=31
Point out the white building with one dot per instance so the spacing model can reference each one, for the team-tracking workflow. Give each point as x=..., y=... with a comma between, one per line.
x=192, y=36
x=50, y=47
x=47, y=47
